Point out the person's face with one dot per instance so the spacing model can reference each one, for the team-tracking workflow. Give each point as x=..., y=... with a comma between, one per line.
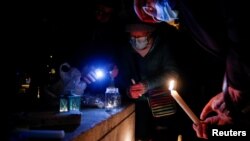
x=139, y=40
x=103, y=13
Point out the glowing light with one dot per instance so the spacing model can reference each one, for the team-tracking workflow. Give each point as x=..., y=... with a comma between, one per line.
x=179, y=138
x=53, y=71
x=38, y=93
x=109, y=105
x=128, y=136
x=182, y=103
x=99, y=73
x=26, y=86
x=171, y=85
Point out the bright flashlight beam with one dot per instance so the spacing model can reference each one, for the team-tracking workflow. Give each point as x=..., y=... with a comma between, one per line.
x=99, y=73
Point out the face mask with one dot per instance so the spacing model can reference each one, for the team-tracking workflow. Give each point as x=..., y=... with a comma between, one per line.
x=139, y=43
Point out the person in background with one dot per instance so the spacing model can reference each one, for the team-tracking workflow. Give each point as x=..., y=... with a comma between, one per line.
x=106, y=22
x=225, y=38
x=145, y=66
x=99, y=46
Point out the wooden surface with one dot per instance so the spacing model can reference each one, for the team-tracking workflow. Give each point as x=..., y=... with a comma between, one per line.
x=89, y=124
x=99, y=125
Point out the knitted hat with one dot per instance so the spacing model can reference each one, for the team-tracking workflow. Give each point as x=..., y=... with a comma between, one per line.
x=139, y=27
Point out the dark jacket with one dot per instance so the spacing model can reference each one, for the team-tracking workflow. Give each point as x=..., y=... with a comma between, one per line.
x=155, y=68
x=220, y=28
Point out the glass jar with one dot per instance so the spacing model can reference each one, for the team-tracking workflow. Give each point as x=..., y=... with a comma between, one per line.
x=70, y=103
x=112, y=99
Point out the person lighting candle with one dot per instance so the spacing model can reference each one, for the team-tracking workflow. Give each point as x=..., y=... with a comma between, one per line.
x=227, y=39
x=146, y=62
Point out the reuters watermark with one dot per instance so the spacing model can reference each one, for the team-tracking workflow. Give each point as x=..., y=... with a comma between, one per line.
x=228, y=133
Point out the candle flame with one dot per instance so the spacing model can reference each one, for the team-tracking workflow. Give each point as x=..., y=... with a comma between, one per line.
x=171, y=85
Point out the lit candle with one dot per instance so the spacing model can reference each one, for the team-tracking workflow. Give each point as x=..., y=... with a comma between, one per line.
x=179, y=138
x=182, y=103
x=109, y=105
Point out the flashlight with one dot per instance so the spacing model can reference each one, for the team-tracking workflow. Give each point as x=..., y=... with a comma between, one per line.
x=99, y=73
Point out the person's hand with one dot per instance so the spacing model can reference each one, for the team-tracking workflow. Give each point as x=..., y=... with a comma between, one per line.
x=137, y=90
x=201, y=130
x=90, y=77
x=80, y=87
x=222, y=115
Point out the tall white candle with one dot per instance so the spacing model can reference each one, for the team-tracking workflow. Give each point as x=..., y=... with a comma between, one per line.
x=179, y=138
x=183, y=104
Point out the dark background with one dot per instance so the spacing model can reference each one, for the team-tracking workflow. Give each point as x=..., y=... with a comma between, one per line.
x=41, y=29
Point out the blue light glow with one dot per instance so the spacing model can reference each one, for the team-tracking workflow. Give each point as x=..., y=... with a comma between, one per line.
x=99, y=73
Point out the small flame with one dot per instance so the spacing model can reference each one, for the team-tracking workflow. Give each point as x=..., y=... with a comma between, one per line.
x=171, y=85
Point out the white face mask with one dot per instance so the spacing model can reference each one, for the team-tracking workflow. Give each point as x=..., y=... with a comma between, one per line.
x=139, y=43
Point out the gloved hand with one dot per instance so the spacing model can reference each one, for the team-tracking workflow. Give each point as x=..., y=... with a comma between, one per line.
x=222, y=117
x=137, y=90
x=89, y=75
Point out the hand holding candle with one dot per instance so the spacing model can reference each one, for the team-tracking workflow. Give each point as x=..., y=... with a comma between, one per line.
x=182, y=103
